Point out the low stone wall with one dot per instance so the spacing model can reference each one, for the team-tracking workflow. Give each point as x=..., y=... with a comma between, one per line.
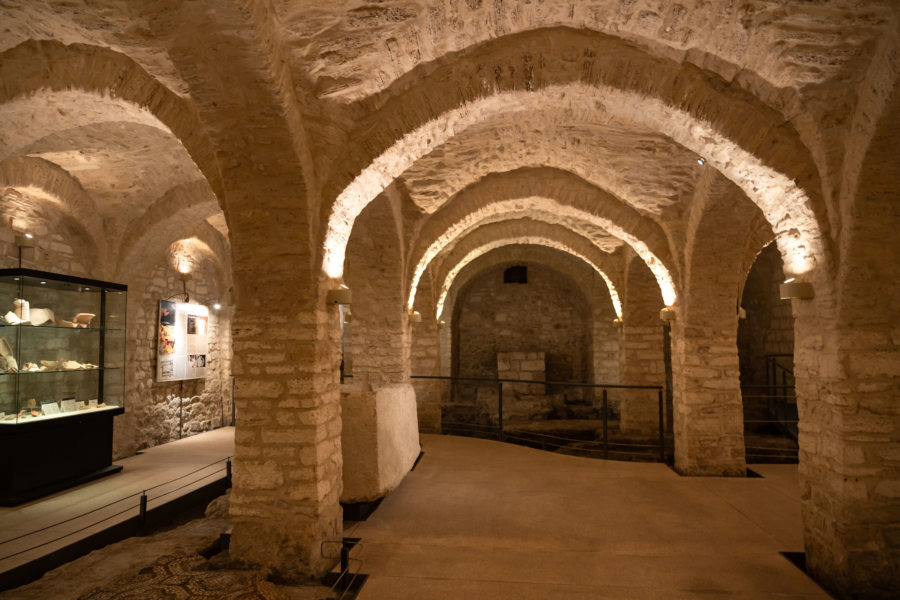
x=379, y=440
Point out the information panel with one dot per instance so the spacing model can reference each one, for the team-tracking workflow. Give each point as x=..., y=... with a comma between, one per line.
x=182, y=341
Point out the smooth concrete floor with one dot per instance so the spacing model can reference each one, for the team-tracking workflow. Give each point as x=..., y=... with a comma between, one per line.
x=153, y=470
x=480, y=519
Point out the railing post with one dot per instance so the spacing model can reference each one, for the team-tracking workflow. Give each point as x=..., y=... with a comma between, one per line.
x=142, y=515
x=345, y=556
x=605, y=422
x=500, y=409
x=662, y=425
x=228, y=472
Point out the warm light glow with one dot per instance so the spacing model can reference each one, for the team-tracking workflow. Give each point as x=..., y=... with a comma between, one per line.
x=217, y=306
x=784, y=204
x=537, y=241
x=701, y=161
x=29, y=236
x=789, y=280
x=561, y=211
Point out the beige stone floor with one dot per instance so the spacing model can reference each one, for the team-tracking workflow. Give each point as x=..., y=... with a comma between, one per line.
x=480, y=519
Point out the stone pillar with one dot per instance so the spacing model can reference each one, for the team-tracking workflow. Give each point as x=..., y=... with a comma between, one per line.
x=425, y=359
x=640, y=351
x=287, y=464
x=708, y=414
x=848, y=391
x=381, y=427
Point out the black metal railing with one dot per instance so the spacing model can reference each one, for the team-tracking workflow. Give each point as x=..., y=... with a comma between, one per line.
x=119, y=527
x=578, y=424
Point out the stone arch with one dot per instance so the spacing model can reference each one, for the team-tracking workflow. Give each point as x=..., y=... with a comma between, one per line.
x=168, y=218
x=708, y=409
x=530, y=191
x=738, y=135
x=64, y=191
x=375, y=276
x=521, y=231
x=34, y=65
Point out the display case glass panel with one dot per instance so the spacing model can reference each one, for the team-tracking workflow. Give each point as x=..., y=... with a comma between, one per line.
x=62, y=346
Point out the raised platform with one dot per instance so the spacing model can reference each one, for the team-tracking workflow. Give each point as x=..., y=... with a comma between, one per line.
x=39, y=535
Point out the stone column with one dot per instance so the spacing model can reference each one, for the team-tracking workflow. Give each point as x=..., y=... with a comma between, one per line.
x=708, y=414
x=425, y=359
x=640, y=351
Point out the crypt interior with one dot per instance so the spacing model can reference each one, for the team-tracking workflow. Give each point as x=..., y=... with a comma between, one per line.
x=603, y=192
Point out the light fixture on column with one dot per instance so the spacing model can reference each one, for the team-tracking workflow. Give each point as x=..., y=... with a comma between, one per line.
x=348, y=317
x=441, y=324
x=217, y=306
x=792, y=289
x=415, y=317
x=341, y=295
x=667, y=314
x=25, y=240
x=184, y=276
x=618, y=321
x=742, y=312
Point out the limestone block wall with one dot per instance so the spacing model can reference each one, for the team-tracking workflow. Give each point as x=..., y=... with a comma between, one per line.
x=425, y=359
x=157, y=413
x=531, y=366
x=547, y=314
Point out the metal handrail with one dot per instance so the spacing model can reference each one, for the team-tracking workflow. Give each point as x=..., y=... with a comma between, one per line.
x=141, y=506
x=604, y=387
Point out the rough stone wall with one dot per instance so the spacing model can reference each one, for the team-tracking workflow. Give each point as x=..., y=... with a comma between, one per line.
x=160, y=412
x=547, y=314
x=769, y=326
x=531, y=366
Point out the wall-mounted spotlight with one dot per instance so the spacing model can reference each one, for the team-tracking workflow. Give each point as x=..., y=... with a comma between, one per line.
x=415, y=317
x=441, y=324
x=701, y=161
x=742, y=312
x=618, y=322
x=796, y=290
x=348, y=317
x=185, y=276
x=667, y=314
x=217, y=306
x=26, y=240
x=341, y=295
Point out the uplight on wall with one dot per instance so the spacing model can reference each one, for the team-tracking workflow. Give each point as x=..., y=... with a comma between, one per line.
x=341, y=295
x=742, y=312
x=792, y=289
x=217, y=306
x=667, y=314
x=618, y=322
x=415, y=317
x=25, y=240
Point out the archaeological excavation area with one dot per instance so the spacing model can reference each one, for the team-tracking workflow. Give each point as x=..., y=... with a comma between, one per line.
x=628, y=231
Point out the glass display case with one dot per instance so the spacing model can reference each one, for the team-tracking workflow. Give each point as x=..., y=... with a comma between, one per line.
x=62, y=379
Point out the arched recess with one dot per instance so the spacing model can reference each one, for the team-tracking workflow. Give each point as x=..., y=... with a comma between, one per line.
x=61, y=194
x=432, y=340
x=708, y=412
x=168, y=218
x=161, y=412
x=34, y=65
x=380, y=436
x=744, y=139
x=568, y=199
x=519, y=231
x=62, y=242
x=538, y=331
